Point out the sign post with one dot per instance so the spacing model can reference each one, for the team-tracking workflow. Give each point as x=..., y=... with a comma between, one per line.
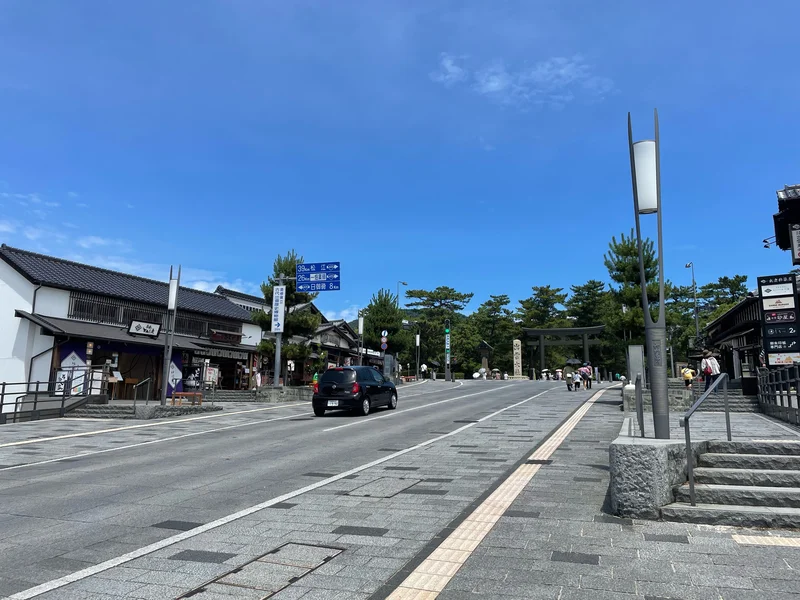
x=360, y=338
x=278, y=317
x=447, y=350
x=780, y=330
x=169, y=333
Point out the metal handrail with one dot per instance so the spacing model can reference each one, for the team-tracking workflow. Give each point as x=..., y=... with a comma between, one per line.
x=136, y=391
x=639, y=402
x=722, y=379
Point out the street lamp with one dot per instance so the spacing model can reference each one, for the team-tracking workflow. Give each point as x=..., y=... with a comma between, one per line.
x=694, y=287
x=646, y=181
x=399, y=283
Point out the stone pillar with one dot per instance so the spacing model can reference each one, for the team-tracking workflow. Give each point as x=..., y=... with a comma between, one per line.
x=517, y=358
x=585, y=348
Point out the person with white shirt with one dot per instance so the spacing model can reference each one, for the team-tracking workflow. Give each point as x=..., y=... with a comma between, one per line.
x=709, y=367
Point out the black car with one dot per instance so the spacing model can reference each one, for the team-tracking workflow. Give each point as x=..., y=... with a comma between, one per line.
x=353, y=388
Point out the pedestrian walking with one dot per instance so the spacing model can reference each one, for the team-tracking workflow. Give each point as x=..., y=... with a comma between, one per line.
x=576, y=380
x=710, y=368
x=688, y=376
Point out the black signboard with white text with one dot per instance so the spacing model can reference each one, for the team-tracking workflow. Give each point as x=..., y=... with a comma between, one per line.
x=780, y=330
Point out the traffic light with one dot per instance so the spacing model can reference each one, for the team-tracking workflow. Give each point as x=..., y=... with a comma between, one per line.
x=447, y=326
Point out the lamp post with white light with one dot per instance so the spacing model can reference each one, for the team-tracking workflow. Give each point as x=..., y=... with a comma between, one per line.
x=694, y=288
x=646, y=180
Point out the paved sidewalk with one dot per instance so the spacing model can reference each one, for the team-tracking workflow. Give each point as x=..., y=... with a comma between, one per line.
x=557, y=543
x=711, y=426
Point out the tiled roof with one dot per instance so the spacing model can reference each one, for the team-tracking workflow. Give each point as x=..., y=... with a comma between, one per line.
x=68, y=275
x=240, y=295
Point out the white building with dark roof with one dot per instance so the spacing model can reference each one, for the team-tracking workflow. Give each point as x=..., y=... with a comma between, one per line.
x=57, y=315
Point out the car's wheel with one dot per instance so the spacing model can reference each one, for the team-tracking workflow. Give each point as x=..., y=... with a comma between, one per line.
x=320, y=412
x=393, y=401
x=364, y=408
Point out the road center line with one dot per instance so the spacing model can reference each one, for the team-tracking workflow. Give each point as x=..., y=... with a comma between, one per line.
x=400, y=412
x=125, y=558
x=433, y=574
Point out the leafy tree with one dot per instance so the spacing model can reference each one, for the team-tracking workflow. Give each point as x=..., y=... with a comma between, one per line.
x=433, y=307
x=542, y=308
x=585, y=305
x=493, y=323
x=720, y=296
x=383, y=313
x=298, y=324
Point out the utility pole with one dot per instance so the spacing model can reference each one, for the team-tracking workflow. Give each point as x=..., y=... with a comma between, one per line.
x=694, y=288
x=360, y=338
x=417, y=354
x=447, y=350
x=169, y=331
x=278, y=318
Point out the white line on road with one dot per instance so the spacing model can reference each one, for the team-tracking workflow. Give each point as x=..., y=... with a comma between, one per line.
x=125, y=558
x=127, y=427
x=400, y=412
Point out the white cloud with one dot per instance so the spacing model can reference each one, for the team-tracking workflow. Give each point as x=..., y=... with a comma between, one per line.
x=554, y=82
x=39, y=213
x=82, y=205
x=52, y=204
x=94, y=241
x=73, y=194
x=348, y=314
x=7, y=227
x=449, y=72
x=33, y=233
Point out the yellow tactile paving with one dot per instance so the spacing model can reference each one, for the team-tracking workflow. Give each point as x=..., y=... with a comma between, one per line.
x=767, y=540
x=435, y=572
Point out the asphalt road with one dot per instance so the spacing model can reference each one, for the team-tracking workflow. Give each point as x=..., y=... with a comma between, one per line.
x=77, y=493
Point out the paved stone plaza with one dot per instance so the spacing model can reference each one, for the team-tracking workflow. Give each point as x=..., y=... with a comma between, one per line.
x=348, y=508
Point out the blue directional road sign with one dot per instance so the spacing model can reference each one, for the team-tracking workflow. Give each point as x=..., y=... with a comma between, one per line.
x=319, y=286
x=325, y=267
x=318, y=277
x=308, y=277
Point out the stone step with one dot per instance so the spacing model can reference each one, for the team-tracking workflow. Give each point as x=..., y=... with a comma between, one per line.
x=746, y=495
x=102, y=411
x=749, y=477
x=741, y=516
x=774, y=447
x=750, y=461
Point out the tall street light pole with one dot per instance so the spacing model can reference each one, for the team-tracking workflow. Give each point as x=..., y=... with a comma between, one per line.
x=694, y=288
x=646, y=179
x=399, y=283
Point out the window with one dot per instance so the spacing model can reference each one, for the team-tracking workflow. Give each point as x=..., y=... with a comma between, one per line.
x=344, y=376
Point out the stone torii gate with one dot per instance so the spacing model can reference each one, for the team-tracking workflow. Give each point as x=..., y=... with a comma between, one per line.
x=537, y=338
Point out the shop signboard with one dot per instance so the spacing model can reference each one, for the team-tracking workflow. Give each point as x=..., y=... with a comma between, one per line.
x=144, y=328
x=278, y=308
x=780, y=332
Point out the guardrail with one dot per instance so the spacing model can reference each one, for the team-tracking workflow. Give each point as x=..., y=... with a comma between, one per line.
x=721, y=380
x=136, y=389
x=777, y=393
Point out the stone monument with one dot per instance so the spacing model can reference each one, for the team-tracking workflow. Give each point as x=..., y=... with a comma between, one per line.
x=518, y=361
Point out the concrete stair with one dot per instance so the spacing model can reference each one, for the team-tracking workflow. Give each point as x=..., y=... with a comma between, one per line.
x=230, y=396
x=737, y=402
x=750, y=484
x=102, y=411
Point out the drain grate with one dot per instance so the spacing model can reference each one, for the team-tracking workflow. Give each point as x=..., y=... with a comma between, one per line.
x=268, y=574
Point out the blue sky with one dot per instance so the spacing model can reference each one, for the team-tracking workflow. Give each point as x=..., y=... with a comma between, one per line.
x=480, y=145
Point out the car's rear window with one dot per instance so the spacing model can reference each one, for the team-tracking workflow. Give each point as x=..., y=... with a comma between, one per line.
x=335, y=376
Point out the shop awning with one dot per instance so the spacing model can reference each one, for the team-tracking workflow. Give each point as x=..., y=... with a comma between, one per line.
x=99, y=332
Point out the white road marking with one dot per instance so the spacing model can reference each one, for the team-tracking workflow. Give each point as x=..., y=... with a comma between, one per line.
x=400, y=412
x=138, y=444
x=165, y=543
x=157, y=424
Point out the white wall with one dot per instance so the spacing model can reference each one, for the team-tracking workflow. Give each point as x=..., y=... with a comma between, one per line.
x=252, y=330
x=52, y=302
x=16, y=293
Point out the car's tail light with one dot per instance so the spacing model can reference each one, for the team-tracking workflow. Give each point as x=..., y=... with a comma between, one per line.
x=316, y=387
x=356, y=388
